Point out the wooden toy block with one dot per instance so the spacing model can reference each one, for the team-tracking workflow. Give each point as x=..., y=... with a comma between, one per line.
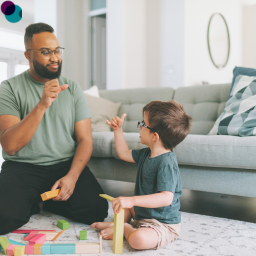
x=49, y=235
x=46, y=249
x=62, y=224
x=87, y=248
x=24, y=231
x=38, y=249
x=38, y=239
x=58, y=235
x=83, y=235
x=4, y=242
x=109, y=198
x=10, y=249
x=118, y=237
x=100, y=243
x=15, y=242
x=63, y=248
x=31, y=235
x=19, y=250
x=50, y=194
x=29, y=249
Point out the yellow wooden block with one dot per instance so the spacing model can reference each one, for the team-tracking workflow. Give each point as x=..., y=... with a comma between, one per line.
x=19, y=250
x=109, y=198
x=118, y=237
x=87, y=248
x=50, y=194
x=38, y=249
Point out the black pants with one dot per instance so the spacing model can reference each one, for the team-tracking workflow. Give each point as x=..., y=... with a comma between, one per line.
x=21, y=185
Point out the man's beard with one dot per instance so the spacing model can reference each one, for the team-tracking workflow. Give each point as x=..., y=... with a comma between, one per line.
x=44, y=72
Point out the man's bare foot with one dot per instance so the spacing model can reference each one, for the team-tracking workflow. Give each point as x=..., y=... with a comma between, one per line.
x=102, y=225
x=107, y=233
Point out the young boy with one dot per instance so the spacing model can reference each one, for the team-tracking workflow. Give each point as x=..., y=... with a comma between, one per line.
x=155, y=204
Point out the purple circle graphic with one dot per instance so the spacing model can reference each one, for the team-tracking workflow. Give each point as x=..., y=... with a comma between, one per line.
x=10, y=10
x=5, y=5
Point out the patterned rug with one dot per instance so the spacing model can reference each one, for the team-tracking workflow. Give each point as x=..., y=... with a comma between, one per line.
x=200, y=236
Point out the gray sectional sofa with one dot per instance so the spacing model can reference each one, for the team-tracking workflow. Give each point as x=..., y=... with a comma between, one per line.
x=213, y=163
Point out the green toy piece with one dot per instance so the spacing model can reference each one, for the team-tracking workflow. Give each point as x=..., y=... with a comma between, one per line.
x=62, y=224
x=4, y=242
x=83, y=235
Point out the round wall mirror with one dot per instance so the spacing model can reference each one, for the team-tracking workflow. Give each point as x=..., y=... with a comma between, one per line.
x=218, y=40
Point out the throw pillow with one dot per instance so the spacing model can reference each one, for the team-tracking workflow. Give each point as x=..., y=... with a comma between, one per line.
x=94, y=91
x=101, y=110
x=239, y=116
x=241, y=71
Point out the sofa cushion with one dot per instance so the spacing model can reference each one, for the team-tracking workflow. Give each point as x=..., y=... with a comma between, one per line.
x=101, y=110
x=239, y=115
x=203, y=103
x=217, y=151
x=133, y=101
x=132, y=140
x=241, y=71
x=102, y=144
x=206, y=150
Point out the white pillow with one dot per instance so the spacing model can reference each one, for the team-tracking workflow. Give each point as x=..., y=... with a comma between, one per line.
x=93, y=91
x=101, y=110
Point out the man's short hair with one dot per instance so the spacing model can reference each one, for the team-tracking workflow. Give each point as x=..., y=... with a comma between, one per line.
x=35, y=28
x=169, y=120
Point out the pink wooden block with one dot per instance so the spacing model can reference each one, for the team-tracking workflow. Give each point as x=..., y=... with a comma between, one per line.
x=30, y=235
x=24, y=231
x=38, y=239
x=29, y=249
x=10, y=249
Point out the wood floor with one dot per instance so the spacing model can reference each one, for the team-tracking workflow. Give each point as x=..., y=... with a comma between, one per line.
x=205, y=203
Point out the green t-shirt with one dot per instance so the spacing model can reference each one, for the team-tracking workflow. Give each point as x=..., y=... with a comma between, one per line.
x=154, y=175
x=54, y=140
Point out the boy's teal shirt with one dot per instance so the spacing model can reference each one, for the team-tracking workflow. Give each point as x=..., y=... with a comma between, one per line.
x=154, y=175
x=54, y=140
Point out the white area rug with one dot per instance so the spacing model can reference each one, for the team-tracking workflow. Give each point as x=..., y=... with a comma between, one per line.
x=200, y=236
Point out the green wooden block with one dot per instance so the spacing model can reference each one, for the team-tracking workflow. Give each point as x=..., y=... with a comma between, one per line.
x=62, y=224
x=83, y=235
x=4, y=242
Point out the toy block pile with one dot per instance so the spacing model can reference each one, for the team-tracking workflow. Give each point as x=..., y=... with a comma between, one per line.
x=37, y=246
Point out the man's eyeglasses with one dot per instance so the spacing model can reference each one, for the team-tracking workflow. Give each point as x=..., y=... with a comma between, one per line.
x=142, y=123
x=47, y=53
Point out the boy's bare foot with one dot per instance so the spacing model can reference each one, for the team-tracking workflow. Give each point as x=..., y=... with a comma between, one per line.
x=107, y=233
x=102, y=225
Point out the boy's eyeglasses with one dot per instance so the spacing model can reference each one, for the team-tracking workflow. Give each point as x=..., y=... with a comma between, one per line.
x=47, y=53
x=142, y=123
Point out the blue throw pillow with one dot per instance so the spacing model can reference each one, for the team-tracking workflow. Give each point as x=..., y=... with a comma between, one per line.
x=241, y=71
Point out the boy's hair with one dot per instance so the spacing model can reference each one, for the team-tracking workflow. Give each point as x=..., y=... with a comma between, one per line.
x=169, y=120
x=36, y=28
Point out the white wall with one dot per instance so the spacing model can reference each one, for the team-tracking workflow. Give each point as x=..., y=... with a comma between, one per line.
x=134, y=43
x=172, y=43
x=46, y=11
x=73, y=35
x=114, y=44
x=249, y=36
x=198, y=66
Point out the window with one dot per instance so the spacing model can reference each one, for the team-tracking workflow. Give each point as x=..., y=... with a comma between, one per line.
x=12, y=59
x=3, y=68
x=12, y=40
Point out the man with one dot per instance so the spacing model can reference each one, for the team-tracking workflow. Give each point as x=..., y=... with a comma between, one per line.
x=46, y=136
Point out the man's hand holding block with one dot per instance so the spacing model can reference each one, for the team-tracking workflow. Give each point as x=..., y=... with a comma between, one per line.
x=50, y=194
